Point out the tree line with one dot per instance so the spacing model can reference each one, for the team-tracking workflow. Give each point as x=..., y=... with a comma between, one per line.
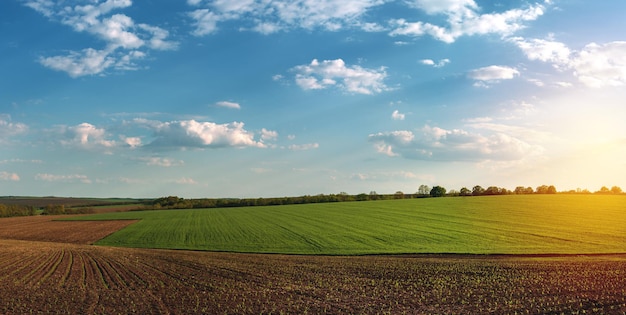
x=16, y=210
x=424, y=191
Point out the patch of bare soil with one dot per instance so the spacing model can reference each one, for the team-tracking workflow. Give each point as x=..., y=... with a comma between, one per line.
x=44, y=228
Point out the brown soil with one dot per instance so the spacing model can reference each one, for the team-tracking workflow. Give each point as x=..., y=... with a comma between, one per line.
x=44, y=228
x=61, y=277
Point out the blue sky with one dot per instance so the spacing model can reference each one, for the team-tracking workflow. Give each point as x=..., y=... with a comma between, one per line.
x=260, y=98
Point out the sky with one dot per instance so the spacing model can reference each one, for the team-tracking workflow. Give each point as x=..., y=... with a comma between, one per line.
x=270, y=98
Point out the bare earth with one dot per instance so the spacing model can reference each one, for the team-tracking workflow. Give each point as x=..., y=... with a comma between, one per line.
x=44, y=228
x=50, y=273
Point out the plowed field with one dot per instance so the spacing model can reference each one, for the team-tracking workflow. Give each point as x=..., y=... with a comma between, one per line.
x=44, y=228
x=70, y=278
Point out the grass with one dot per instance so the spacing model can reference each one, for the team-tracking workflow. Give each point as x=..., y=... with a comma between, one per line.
x=524, y=224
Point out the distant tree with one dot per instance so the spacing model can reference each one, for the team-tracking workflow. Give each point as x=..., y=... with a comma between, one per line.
x=477, y=190
x=529, y=190
x=492, y=190
x=398, y=195
x=362, y=197
x=437, y=191
x=551, y=189
x=373, y=195
x=423, y=190
x=616, y=190
x=543, y=189
x=54, y=209
x=465, y=192
x=603, y=190
x=519, y=190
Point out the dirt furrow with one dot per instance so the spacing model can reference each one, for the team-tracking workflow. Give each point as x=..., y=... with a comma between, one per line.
x=67, y=269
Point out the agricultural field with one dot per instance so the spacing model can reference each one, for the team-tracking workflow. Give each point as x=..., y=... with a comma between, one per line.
x=44, y=272
x=519, y=224
x=44, y=277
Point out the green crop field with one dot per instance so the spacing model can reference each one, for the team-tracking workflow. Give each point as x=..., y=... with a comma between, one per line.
x=516, y=224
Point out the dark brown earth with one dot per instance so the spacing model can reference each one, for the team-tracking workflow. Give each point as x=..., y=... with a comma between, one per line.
x=48, y=273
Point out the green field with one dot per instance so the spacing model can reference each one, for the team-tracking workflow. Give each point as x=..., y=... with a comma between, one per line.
x=516, y=224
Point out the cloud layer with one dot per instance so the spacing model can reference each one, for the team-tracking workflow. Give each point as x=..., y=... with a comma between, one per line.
x=438, y=144
x=271, y=16
x=125, y=42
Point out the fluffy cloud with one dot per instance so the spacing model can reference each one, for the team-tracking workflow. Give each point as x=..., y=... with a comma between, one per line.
x=396, y=115
x=132, y=142
x=9, y=176
x=601, y=65
x=437, y=144
x=595, y=65
x=195, y=134
x=85, y=136
x=439, y=64
x=354, y=79
x=122, y=36
x=268, y=134
x=63, y=178
x=492, y=74
x=544, y=50
x=270, y=16
x=463, y=18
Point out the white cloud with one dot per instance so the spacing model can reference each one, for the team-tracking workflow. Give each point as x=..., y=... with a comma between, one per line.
x=195, y=134
x=87, y=62
x=396, y=115
x=544, y=50
x=439, y=64
x=595, y=65
x=270, y=16
x=355, y=79
x=268, y=134
x=437, y=144
x=228, y=104
x=205, y=22
x=63, y=178
x=86, y=136
x=444, y=6
x=601, y=65
x=122, y=36
x=9, y=176
x=492, y=74
x=463, y=18
x=132, y=142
